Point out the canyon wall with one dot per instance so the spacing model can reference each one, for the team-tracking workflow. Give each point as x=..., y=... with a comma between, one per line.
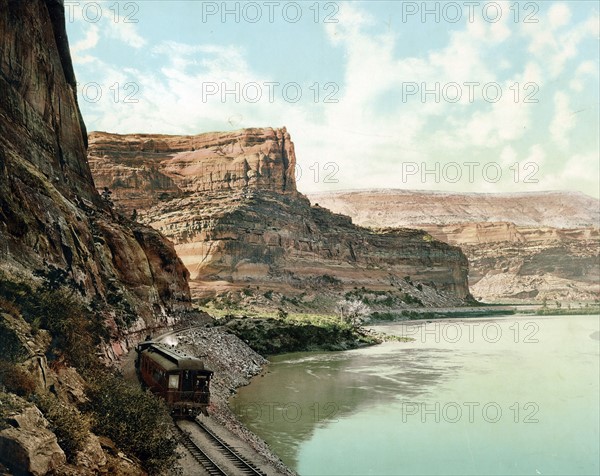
x=51, y=216
x=229, y=203
x=526, y=246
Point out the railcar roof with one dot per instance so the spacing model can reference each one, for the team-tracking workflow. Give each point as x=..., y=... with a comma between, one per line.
x=172, y=359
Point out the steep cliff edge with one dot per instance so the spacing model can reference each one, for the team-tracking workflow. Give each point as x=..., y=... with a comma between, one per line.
x=229, y=203
x=521, y=246
x=51, y=216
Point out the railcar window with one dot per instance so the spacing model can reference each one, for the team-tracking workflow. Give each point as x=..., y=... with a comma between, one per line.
x=174, y=382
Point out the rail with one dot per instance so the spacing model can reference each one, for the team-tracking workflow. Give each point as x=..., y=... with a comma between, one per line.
x=211, y=467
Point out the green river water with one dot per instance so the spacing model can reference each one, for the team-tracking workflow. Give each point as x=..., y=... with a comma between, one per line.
x=483, y=397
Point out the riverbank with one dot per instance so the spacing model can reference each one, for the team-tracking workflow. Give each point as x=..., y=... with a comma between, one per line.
x=279, y=336
x=234, y=364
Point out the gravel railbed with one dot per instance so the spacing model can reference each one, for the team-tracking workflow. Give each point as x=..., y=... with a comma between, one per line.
x=234, y=364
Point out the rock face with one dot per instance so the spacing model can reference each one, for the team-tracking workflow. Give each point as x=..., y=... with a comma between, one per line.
x=397, y=208
x=33, y=449
x=50, y=211
x=229, y=203
x=520, y=246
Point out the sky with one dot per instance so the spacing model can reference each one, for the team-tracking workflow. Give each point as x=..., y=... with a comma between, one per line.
x=455, y=96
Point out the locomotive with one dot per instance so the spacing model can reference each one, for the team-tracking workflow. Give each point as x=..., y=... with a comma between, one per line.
x=180, y=379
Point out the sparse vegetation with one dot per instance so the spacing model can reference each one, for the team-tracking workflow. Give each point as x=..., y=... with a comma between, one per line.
x=353, y=311
x=9, y=405
x=410, y=299
x=136, y=421
x=593, y=310
x=75, y=330
x=275, y=336
x=69, y=425
x=269, y=295
x=16, y=380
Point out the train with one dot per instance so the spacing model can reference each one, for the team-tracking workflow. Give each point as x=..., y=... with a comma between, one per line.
x=180, y=379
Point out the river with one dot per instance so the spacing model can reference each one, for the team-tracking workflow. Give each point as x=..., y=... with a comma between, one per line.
x=507, y=396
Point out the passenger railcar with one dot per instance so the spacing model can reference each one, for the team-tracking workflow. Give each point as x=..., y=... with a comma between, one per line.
x=180, y=379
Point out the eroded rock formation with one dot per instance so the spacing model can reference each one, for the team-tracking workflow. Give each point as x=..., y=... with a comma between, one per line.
x=229, y=203
x=520, y=246
x=50, y=212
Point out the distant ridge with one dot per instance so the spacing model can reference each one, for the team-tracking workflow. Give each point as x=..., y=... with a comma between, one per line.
x=397, y=207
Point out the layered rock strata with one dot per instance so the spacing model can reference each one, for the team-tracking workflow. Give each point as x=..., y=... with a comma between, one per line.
x=51, y=216
x=229, y=203
x=528, y=246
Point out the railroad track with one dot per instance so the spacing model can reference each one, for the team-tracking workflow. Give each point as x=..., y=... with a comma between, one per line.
x=242, y=466
x=209, y=465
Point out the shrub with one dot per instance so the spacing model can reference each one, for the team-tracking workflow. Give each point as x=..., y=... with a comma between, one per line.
x=10, y=345
x=281, y=313
x=353, y=311
x=409, y=299
x=75, y=331
x=269, y=295
x=135, y=420
x=15, y=379
x=68, y=424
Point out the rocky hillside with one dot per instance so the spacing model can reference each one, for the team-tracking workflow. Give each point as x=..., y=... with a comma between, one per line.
x=77, y=280
x=51, y=216
x=229, y=203
x=520, y=246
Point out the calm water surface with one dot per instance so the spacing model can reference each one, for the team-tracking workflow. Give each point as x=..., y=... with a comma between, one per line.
x=492, y=396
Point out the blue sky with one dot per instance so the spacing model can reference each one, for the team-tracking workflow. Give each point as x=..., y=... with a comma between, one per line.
x=513, y=86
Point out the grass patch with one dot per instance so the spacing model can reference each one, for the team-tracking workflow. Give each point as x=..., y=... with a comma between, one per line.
x=568, y=312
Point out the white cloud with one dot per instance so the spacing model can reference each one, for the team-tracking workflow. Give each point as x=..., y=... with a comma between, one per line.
x=563, y=121
x=556, y=48
x=587, y=69
x=89, y=42
x=559, y=15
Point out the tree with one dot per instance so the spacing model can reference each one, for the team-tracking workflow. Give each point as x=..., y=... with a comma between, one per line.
x=353, y=311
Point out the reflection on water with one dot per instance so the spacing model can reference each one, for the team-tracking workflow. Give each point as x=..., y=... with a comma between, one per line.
x=513, y=396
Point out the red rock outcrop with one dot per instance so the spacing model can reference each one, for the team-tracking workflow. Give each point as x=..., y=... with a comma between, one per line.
x=229, y=203
x=50, y=211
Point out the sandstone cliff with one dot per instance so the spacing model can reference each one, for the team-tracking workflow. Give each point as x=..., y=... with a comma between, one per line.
x=520, y=246
x=229, y=203
x=74, y=275
x=51, y=215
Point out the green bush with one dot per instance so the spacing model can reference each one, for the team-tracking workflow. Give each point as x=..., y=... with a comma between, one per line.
x=268, y=295
x=409, y=299
x=137, y=421
x=68, y=424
